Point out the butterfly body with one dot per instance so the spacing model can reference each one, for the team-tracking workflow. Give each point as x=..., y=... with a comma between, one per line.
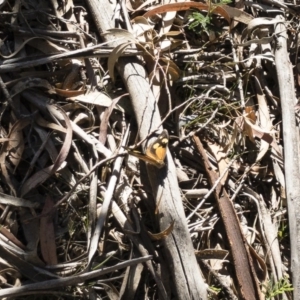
x=155, y=154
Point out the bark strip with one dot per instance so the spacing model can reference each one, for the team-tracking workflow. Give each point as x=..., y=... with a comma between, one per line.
x=244, y=270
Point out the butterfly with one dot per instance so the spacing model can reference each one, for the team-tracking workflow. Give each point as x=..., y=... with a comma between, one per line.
x=156, y=152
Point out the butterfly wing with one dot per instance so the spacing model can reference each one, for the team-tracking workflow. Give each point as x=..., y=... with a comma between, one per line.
x=158, y=149
x=145, y=158
x=156, y=152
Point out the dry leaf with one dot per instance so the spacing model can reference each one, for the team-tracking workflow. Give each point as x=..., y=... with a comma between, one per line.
x=114, y=56
x=27, y=83
x=94, y=98
x=221, y=158
x=42, y=175
x=47, y=235
x=163, y=234
x=105, y=120
x=69, y=93
x=185, y=6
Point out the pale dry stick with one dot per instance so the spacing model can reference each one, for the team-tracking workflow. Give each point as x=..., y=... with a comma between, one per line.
x=241, y=184
x=269, y=235
x=241, y=179
x=195, y=193
x=291, y=149
x=187, y=282
x=260, y=25
x=145, y=108
x=158, y=66
x=161, y=123
x=217, y=87
x=211, y=190
x=92, y=206
x=126, y=16
x=261, y=41
x=271, y=97
x=224, y=81
x=117, y=14
x=188, y=51
x=72, y=280
x=204, y=218
x=168, y=94
x=106, y=202
x=236, y=66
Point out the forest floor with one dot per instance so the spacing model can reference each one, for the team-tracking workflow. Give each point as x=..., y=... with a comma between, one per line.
x=80, y=217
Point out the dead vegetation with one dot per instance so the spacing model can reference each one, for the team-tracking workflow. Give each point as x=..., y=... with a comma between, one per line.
x=217, y=217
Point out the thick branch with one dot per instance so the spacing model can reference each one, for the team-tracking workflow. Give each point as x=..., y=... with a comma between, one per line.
x=178, y=247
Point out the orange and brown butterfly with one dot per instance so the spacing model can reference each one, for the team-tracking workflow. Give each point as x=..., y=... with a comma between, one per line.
x=156, y=152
